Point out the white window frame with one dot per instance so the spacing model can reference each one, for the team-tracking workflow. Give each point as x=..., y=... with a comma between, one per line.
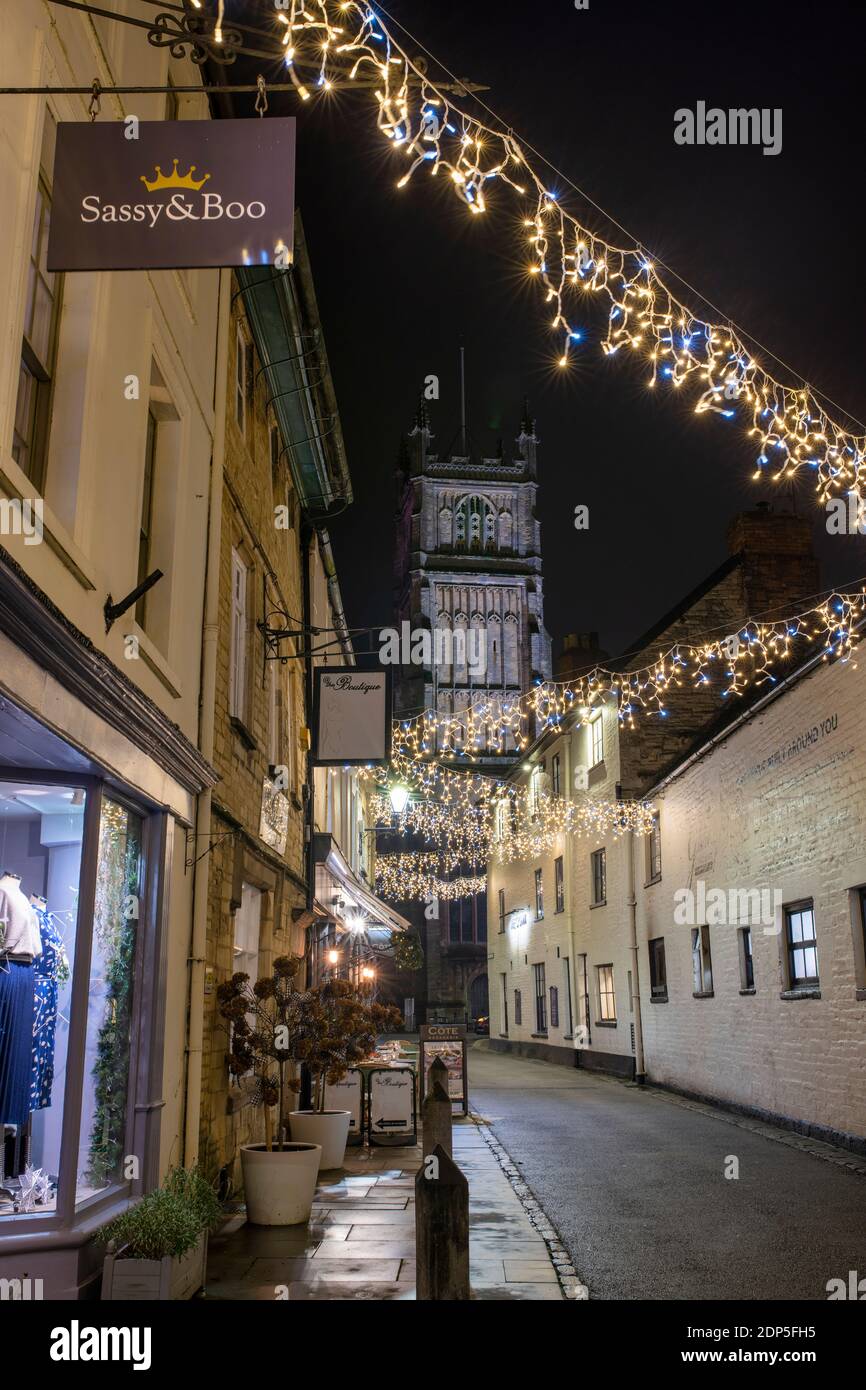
x=702, y=961
x=606, y=991
x=596, y=740
x=598, y=861
x=238, y=658
x=246, y=941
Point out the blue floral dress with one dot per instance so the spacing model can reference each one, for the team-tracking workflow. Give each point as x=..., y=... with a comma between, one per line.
x=51, y=966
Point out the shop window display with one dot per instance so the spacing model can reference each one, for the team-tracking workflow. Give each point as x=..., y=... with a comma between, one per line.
x=109, y=1020
x=41, y=832
x=43, y=950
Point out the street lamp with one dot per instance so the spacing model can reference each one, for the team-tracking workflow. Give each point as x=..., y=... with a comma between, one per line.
x=368, y=973
x=399, y=796
x=333, y=957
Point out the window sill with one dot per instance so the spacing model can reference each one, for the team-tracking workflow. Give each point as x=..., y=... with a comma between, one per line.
x=750, y=990
x=807, y=992
x=703, y=993
x=659, y=998
x=602, y=903
x=558, y=911
x=54, y=532
x=503, y=1035
x=605, y=1023
x=538, y=1035
x=595, y=774
x=539, y=919
x=243, y=733
x=153, y=657
x=650, y=881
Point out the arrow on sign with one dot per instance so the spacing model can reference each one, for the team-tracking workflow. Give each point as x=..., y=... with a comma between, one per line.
x=383, y=1124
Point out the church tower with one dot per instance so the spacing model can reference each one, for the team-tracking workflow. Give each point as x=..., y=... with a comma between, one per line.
x=467, y=561
x=468, y=569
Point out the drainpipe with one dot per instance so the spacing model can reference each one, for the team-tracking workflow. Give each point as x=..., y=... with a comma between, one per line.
x=640, y=1073
x=330, y=568
x=210, y=633
x=305, y=1099
x=574, y=1001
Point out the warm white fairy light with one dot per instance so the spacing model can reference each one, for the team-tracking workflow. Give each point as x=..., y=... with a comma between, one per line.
x=404, y=878
x=748, y=656
x=790, y=429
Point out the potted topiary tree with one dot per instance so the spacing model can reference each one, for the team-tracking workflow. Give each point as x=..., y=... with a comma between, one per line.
x=158, y=1248
x=265, y=1022
x=339, y=1028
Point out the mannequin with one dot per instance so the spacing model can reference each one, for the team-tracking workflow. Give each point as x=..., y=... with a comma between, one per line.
x=20, y=944
x=50, y=969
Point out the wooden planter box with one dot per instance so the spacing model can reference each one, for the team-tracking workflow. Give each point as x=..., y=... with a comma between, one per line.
x=163, y=1280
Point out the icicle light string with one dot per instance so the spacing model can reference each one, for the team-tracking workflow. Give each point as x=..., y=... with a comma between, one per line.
x=517, y=823
x=748, y=656
x=791, y=431
x=404, y=878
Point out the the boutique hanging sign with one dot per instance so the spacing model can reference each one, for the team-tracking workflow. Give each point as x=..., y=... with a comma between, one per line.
x=172, y=195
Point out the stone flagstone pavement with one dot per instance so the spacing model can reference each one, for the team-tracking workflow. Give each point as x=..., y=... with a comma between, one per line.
x=360, y=1240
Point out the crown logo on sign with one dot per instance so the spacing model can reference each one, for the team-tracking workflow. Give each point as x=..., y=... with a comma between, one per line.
x=174, y=179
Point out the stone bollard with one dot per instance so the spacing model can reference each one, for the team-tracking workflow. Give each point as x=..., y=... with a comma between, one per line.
x=437, y=1071
x=435, y=1120
x=441, y=1229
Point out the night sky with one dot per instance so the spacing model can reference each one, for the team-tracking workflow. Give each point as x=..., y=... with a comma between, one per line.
x=776, y=242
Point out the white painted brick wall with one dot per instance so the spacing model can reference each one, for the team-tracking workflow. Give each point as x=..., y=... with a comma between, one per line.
x=797, y=827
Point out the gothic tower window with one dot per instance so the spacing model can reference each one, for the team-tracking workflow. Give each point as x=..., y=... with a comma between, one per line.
x=475, y=525
x=506, y=531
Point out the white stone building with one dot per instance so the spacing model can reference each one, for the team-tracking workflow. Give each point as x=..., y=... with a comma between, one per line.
x=618, y=953
x=768, y=1014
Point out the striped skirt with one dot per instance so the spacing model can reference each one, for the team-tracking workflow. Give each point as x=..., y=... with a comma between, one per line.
x=16, y=1041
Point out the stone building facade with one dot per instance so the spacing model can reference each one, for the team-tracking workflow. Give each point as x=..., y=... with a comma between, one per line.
x=107, y=430
x=467, y=561
x=574, y=977
x=257, y=883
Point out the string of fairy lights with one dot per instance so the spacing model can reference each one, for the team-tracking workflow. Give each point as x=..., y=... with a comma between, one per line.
x=432, y=134
x=749, y=656
x=473, y=818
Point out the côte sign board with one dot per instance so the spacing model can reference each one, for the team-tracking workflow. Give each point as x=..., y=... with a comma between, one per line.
x=182, y=194
x=351, y=716
x=448, y=1042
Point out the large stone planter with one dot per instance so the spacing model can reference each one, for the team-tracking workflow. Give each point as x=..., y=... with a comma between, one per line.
x=330, y=1128
x=280, y=1184
x=134, y=1281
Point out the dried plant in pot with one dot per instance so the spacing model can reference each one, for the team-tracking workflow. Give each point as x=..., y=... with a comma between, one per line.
x=265, y=1022
x=339, y=1027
